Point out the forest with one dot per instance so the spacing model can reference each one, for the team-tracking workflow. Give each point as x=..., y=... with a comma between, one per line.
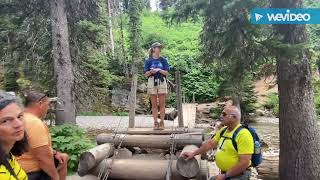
x=87, y=53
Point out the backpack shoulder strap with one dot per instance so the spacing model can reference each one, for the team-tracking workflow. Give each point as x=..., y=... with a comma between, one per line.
x=223, y=131
x=235, y=134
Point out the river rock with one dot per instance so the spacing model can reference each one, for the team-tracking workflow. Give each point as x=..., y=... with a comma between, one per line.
x=260, y=112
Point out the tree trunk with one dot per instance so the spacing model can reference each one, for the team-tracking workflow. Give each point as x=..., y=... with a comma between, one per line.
x=110, y=27
x=62, y=62
x=299, y=132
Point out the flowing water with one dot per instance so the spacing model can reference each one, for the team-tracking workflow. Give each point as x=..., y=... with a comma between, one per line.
x=268, y=130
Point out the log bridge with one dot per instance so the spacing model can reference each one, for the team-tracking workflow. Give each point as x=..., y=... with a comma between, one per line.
x=145, y=153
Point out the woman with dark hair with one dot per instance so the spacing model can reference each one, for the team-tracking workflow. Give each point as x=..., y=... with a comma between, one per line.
x=156, y=68
x=12, y=137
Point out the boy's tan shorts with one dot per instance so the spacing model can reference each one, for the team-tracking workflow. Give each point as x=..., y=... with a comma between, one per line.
x=161, y=88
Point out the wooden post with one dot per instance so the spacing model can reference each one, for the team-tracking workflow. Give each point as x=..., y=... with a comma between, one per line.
x=193, y=98
x=179, y=98
x=189, y=168
x=132, y=100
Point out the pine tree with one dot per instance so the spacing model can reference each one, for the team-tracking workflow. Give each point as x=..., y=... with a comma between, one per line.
x=299, y=132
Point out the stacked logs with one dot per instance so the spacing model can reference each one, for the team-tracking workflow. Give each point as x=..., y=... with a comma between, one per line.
x=107, y=160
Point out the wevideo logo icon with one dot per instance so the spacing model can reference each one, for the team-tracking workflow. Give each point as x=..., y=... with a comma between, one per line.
x=258, y=16
x=285, y=16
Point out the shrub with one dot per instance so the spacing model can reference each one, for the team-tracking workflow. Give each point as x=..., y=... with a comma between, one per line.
x=120, y=113
x=215, y=113
x=272, y=103
x=72, y=140
x=91, y=113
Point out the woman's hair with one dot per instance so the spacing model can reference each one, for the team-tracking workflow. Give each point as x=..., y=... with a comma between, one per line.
x=150, y=52
x=19, y=147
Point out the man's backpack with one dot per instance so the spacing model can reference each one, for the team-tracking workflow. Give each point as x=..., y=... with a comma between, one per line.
x=256, y=158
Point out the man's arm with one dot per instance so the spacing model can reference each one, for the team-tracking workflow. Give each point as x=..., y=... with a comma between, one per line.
x=244, y=161
x=46, y=161
x=211, y=144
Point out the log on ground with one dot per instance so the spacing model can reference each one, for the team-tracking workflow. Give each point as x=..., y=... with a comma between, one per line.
x=150, y=141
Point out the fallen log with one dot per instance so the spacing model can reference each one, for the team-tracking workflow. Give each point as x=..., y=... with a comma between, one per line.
x=128, y=169
x=93, y=157
x=150, y=141
x=189, y=168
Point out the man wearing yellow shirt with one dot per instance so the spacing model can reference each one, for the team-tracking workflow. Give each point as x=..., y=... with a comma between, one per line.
x=234, y=164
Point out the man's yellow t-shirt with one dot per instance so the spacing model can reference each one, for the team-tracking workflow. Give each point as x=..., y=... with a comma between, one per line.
x=5, y=174
x=38, y=136
x=227, y=157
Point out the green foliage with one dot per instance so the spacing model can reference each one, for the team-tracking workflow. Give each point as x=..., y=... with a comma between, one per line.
x=316, y=88
x=241, y=90
x=72, y=140
x=90, y=113
x=272, y=103
x=181, y=49
x=135, y=43
x=171, y=100
x=215, y=113
x=200, y=83
x=120, y=113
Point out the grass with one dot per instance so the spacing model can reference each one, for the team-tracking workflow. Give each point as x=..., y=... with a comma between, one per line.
x=91, y=113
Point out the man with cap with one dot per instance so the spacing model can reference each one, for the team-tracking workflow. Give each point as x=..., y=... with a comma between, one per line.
x=41, y=162
x=156, y=69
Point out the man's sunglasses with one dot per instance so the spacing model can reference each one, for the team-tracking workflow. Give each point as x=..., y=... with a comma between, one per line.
x=224, y=114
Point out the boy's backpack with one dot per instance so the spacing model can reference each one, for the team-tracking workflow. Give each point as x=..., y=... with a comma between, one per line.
x=256, y=158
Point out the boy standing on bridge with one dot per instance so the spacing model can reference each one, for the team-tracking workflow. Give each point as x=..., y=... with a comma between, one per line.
x=233, y=164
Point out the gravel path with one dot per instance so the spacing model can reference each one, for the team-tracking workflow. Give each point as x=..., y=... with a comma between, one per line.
x=112, y=122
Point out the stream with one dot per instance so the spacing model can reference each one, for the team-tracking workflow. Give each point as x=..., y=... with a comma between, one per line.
x=268, y=130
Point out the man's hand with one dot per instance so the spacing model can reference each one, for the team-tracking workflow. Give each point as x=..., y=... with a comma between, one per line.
x=63, y=159
x=220, y=177
x=188, y=155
